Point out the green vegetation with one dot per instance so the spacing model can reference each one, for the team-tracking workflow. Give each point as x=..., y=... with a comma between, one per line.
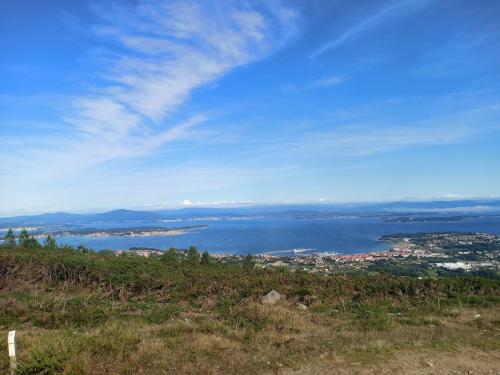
x=9, y=240
x=205, y=258
x=249, y=262
x=50, y=243
x=80, y=312
x=171, y=256
x=193, y=256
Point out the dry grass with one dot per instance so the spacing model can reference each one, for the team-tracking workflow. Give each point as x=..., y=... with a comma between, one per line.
x=292, y=342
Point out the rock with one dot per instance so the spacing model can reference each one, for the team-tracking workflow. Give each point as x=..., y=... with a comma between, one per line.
x=279, y=263
x=271, y=298
x=301, y=306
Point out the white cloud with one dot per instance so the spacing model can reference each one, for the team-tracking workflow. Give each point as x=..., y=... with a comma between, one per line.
x=176, y=47
x=451, y=196
x=219, y=204
x=152, y=55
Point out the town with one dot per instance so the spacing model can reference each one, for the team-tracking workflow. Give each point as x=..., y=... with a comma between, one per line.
x=445, y=252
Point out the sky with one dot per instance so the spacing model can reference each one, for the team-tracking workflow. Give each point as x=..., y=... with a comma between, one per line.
x=154, y=103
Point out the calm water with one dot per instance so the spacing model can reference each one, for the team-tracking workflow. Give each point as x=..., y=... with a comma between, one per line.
x=345, y=235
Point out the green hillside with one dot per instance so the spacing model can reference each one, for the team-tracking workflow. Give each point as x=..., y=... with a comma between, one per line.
x=80, y=312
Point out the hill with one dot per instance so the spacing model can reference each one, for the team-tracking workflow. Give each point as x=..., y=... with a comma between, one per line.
x=443, y=207
x=122, y=215
x=81, y=312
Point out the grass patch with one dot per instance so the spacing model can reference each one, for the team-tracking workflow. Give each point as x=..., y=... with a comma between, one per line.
x=162, y=313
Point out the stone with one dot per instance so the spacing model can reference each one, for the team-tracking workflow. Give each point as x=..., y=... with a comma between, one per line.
x=271, y=298
x=301, y=306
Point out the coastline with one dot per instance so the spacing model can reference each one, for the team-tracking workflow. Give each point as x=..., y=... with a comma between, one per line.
x=122, y=232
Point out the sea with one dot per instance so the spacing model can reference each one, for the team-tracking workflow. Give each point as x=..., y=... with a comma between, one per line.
x=280, y=236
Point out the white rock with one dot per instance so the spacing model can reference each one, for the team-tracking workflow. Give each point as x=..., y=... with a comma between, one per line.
x=271, y=298
x=301, y=306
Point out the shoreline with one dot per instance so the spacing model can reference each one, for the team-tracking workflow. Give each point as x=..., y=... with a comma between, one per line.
x=123, y=232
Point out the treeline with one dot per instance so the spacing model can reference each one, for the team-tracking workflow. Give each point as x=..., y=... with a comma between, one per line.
x=172, y=256
x=193, y=256
x=27, y=241
x=427, y=269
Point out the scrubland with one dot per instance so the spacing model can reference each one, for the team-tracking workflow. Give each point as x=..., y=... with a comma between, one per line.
x=90, y=313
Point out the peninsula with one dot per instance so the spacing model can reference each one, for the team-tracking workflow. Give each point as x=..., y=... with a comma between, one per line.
x=144, y=231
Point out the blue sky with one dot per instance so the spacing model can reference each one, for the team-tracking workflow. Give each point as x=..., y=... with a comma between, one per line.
x=145, y=104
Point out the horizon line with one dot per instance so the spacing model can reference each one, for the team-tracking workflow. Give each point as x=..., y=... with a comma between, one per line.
x=234, y=204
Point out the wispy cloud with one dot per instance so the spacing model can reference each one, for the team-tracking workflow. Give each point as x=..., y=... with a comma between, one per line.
x=364, y=141
x=328, y=81
x=175, y=47
x=152, y=55
x=323, y=82
x=369, y=129
x=394, y=9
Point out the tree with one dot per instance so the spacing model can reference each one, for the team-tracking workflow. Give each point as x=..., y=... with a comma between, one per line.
x=9, y=241
x=248, y=262
x=28, y=242
x=83, y=249
x=170, y=256
x=33, y=243
x=193, y=256
x=24, y=238
x=50, y=243
x=205, y=258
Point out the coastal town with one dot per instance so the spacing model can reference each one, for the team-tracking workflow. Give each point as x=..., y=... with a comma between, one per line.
x=447, y=251
x=328, y=263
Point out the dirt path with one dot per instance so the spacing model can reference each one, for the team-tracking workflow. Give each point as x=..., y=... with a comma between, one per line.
x=421, y=363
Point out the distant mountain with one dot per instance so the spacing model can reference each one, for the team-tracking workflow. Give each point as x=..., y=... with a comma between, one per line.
x=68, y=218
x=199, y=212
x=47, y=219
x=465, y=206
x=124, y=215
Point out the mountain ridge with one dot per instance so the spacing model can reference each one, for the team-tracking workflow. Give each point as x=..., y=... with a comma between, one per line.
x=467, y=206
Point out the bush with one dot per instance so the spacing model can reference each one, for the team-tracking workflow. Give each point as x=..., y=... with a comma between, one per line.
x=43, y=362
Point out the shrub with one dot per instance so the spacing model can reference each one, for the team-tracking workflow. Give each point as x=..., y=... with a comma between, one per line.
x=43, y=362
